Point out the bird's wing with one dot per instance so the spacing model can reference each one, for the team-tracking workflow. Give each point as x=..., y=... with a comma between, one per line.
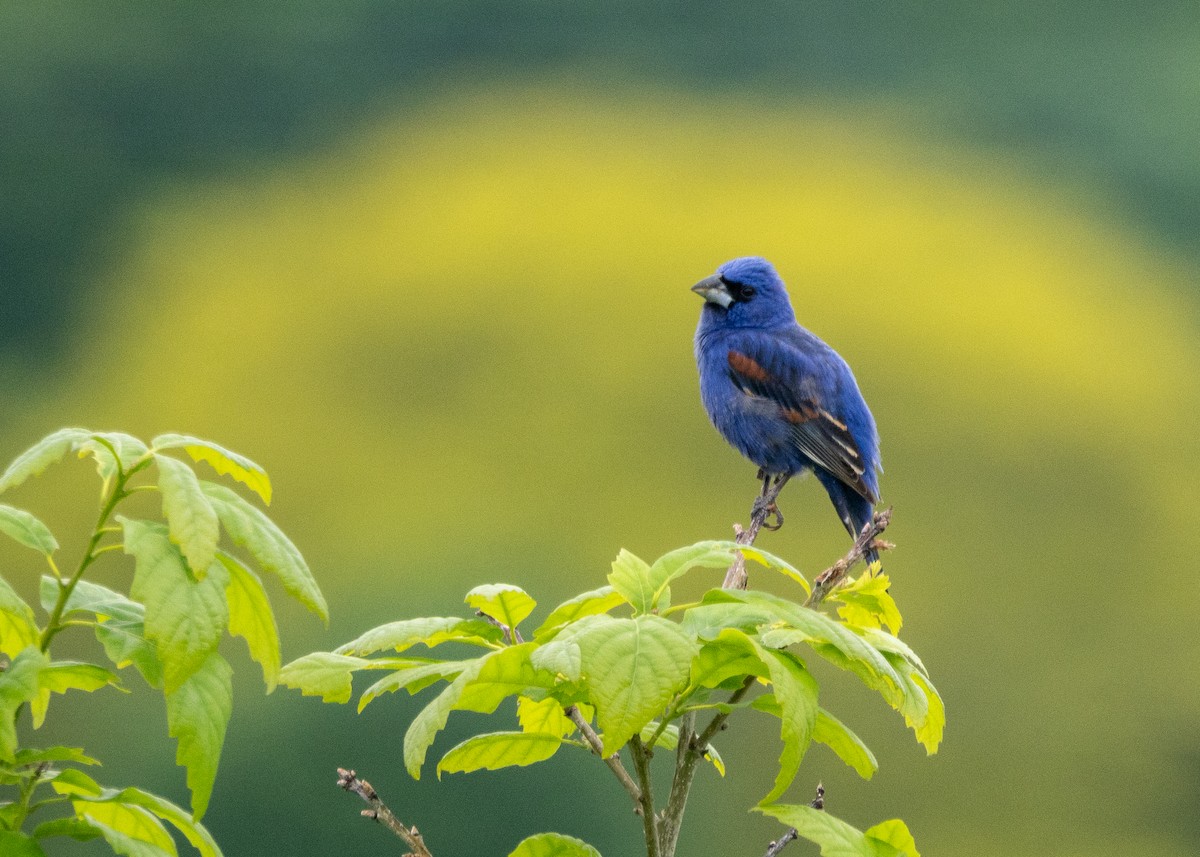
x=800, y=385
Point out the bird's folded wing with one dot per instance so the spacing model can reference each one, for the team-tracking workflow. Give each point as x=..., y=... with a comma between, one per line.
x=792, y=380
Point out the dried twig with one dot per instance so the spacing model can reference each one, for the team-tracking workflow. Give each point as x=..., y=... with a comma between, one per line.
x=777, y=846
x=379, y=812
x=764, y=507
x=613, y=762
x=867, y=540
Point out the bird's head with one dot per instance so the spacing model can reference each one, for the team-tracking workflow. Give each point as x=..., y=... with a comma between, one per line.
x=746, y=292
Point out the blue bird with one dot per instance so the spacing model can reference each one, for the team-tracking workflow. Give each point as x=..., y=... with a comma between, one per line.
x=781, y=396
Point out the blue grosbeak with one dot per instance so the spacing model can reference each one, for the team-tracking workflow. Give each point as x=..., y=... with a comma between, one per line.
x=781, y=396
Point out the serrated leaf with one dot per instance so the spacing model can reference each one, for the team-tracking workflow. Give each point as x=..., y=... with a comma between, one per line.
x=545, y=716
x=129, y=450
x=185, y=617
x=835, y=837
x=413, y=678
x=48, y=450
x=585, y=604
x=197, y=714
x=631, y=578
x=16, y=844
x=553, y=845
x=429, y=632
x=929, y=732
x=507, y=604
x=61, y=676
x=30, y=756
x=795, y=690
x=866, y=602
x=252, y=530
x=191, y=518
x=18, y=627
x=561, y=657
x=632, y=668
x=483, y=684
x=849, y=747
x=131, y=821
x=499, y=750
x=222, y=460
x=251, y=618
x=161, y=808
x=27, y=530
x=18, y=685
x=324, y=674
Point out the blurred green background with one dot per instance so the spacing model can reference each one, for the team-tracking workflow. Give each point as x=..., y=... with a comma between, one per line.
x=428, y=263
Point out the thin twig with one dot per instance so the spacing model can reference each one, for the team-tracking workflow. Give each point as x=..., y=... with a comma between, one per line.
x=379, y=812
x=511, y=634
x=867, y=540
x=641, y=764
x=613, y=762
x=736, y=577
x=774, y=849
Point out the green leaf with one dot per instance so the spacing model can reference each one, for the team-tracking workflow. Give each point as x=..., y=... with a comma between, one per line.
x=15, y=844
x=507, y=604
x=73, y=782
x=251, y=529
x=430, y=632
x=483, y=684
x=866, y=602
x=29, y=756
x=191, y=518
x=895, y=833
x=27, y=530
x=129, y=451
x=499, y=750
x=630, y=577
x=929, y=731
x=61, y=676
x=132, y=822
x=122, y=843
x=48, y=450
x=197, y=714
x=324, y=674
x=632, y=668
x=554, y=845
x=162, y=808
x=18, y=628
x=72, y=826
x=586, y=604
x=714, y=554
x=18, y=685
x=222, y=460
x=849, y=747
x=717, y=612
x=835, y=837
x=545, y=716
x=726, y=656
x=185, y=617
x=669, y=740
x=121, y=628
x=561, y=657
x=413, y=678
x=250, y=617
x=795, y=690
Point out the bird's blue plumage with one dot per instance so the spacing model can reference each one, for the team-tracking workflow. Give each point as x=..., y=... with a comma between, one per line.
x=781, y=396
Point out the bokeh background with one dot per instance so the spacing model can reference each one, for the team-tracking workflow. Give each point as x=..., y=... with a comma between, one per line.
x=429, y=264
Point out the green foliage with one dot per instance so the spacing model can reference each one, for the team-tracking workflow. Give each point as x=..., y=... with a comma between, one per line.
x=186, y=592
x=636, y=672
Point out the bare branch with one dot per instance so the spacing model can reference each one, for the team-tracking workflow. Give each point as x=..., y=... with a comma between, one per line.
x=641, y=763
x=764, y=507
x=379, y=812
x=774, y=849
x=867, y=540
x=613, y=761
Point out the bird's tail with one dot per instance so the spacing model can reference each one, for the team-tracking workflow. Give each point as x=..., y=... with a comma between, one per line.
x=855, y=511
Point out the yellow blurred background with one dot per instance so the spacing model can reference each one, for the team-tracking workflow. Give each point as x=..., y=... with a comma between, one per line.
x=457, y=333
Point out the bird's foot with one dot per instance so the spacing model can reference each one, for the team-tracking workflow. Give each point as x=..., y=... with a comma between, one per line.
x=767, y=509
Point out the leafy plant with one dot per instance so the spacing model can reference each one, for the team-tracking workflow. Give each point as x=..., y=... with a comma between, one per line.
x=186, y=592
x=621, y=671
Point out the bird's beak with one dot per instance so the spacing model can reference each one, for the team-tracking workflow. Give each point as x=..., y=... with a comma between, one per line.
x=713, y=290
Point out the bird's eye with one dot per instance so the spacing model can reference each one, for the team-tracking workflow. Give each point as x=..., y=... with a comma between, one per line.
x=747, y=292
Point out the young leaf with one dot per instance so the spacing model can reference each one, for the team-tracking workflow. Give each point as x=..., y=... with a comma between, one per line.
x=30, y=756
x=18, y=685
x=250, y=617
x=545, y=716
x=61, y=676
x=413, y=678
x=129, y=451
x=866, y=602
x=130, y=821
x=430, y=632
x=191, y=518
x=713, y=554
x=74, y=782
x=561, y=657
x=27, y=530
x=554, y=845
x=795, y=690
x=122, y=843
x=162, y=808
x=509, y=605
x=632, y=668
x=836, y=838
x=726, y=656
x=586, y=604
x=18, y=628
x=251, y=529
x=499, y=750
x=197, y=714
x=184, y=617
x=221, y=460
x=849, y=747
x=40, y=456
x=631, y=578
x=324, y=674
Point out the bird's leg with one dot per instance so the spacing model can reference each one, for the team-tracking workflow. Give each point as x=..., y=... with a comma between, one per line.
x=764, y=504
